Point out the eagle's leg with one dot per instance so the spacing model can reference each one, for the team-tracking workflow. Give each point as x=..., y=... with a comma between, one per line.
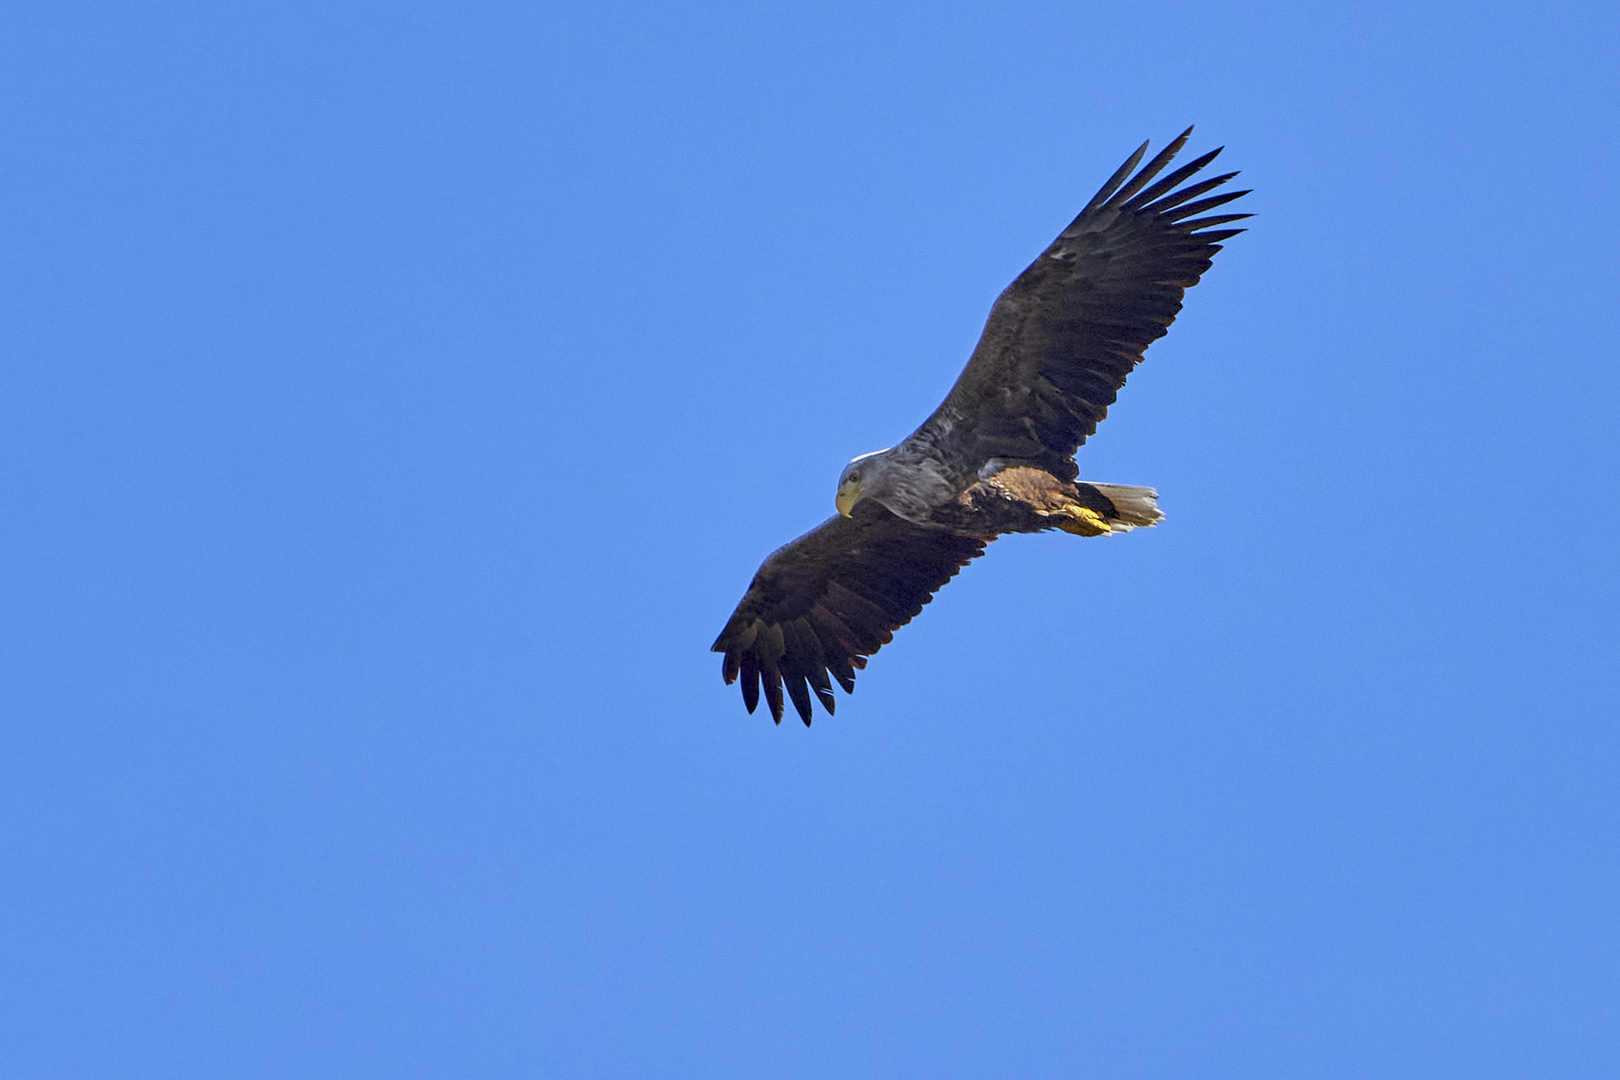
x=1083, y=521
x=1024, y=499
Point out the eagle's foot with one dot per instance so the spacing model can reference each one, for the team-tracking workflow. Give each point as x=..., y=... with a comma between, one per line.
x=1084, y=521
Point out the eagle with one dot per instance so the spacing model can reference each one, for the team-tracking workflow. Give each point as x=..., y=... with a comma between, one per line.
x=997, y=456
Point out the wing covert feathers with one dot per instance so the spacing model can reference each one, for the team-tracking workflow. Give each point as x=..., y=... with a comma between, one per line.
x=1062, y=338
x=824, y=603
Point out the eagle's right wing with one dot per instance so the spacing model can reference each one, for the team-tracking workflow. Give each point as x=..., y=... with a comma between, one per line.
x=832, y=598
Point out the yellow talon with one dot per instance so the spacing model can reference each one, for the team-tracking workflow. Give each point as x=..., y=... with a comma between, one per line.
x=1084, y=521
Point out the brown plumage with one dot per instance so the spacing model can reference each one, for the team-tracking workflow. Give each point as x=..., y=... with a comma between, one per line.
x=997, y=455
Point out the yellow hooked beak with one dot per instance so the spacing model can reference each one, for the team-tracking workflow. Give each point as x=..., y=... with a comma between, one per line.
x=849, y=492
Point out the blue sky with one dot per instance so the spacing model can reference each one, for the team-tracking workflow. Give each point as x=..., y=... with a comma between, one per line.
x=397, y=398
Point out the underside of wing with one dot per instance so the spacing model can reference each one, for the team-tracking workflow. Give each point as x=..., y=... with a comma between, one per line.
x=830, y=599
x=1062, y=338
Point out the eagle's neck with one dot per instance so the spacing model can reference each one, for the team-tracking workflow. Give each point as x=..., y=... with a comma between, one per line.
x=910, y=481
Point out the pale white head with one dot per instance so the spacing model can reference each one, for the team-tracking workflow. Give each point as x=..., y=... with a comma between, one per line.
x=858, y=480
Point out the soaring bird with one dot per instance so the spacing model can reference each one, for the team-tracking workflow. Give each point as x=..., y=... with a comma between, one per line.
x=997, y=456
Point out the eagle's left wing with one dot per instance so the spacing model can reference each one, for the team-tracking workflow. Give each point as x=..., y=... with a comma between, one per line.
x=1061, y=338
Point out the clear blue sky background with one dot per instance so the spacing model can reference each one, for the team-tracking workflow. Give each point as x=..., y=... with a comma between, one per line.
x=397, y=398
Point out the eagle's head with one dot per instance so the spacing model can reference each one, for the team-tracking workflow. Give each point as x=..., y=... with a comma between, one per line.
x=859, y=480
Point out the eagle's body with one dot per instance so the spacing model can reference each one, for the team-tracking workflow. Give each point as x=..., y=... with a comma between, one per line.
x=998, y=455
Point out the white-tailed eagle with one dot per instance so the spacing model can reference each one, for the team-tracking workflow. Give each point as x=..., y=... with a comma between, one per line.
x=998, y=455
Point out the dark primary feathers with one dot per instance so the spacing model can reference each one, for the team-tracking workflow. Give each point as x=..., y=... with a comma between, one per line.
x=1057, y=347
x=1061, y=339
x=832, y=598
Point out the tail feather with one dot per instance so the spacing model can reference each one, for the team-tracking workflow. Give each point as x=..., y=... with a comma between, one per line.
x=1134, y=507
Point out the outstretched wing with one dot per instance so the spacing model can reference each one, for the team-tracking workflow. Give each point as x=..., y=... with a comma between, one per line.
x=1062, y=338
x=832, y=598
